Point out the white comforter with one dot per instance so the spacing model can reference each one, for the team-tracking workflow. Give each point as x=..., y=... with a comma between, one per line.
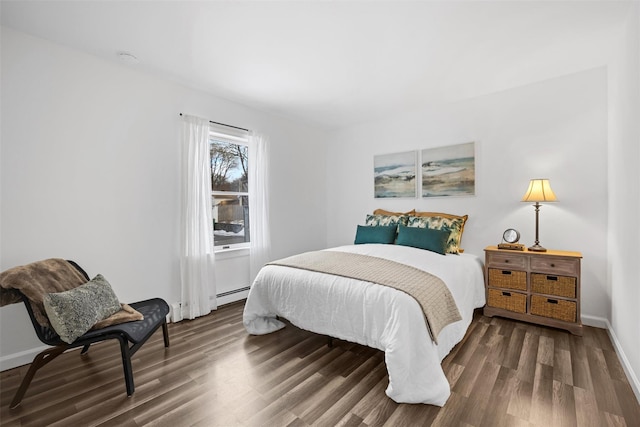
x=374, y=315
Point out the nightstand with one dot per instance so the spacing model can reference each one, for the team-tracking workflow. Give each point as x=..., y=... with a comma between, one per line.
x=535, y=287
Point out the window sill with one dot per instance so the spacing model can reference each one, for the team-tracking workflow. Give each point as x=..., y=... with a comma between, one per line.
x=231, y=253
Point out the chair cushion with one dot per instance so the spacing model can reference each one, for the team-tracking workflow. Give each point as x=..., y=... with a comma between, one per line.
x=74, y=312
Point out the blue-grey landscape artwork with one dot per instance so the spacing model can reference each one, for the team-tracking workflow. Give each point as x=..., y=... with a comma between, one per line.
x=449, y=171
x=395, y=175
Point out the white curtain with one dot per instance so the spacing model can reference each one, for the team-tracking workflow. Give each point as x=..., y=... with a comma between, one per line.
x=196, y=250
x=259, y=203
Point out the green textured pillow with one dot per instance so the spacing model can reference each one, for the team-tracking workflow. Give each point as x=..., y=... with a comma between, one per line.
x=74, y=312
x=375, y=234
x=424, y=238
x=454, y=226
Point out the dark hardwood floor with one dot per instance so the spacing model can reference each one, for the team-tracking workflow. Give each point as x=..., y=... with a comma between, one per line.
x=504, y=373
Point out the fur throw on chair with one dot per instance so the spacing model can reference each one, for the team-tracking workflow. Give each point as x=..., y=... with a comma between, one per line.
x=37, y=279
x=52, y=275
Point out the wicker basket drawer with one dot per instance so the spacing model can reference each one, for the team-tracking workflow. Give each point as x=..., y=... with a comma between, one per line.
x=554, y=308
x=510, y=279
x=512, y=301
x=563, y=286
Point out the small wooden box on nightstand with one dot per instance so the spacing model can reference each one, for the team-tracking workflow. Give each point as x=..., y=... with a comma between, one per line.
x=536, y=287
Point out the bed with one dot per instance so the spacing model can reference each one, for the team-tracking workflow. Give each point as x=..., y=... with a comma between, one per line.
x=374, y=315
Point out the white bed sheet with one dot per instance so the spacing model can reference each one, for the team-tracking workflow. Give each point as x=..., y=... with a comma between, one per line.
x=374, y=315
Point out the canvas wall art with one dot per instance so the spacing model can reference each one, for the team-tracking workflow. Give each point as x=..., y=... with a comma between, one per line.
x=395, y=175
x=449, y=171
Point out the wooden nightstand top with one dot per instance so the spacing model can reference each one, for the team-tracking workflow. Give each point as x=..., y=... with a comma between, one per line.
x=549, y=252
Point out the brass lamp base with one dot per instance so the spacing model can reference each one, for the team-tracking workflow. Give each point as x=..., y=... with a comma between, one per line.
x=536, y=245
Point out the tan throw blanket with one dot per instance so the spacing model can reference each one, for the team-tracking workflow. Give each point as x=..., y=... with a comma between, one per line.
x=429, y=291
x=126, y=314
x=39, y=278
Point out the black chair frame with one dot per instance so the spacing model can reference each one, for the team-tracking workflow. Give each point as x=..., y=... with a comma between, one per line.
x=129, y=343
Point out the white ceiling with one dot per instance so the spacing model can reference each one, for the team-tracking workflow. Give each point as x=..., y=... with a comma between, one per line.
x=336, y=63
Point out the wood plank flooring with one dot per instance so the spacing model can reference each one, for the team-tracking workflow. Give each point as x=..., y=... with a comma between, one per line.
x=504, y=373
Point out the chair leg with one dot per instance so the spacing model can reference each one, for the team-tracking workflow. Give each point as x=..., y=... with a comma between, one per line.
x=85, y=349
x=126, y=365
x=39, y=361
x=165, y=333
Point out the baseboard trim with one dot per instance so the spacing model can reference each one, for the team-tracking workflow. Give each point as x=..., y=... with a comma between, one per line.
x=631, y=375
x=599, y=322
x=596, y=322
x=21, y=358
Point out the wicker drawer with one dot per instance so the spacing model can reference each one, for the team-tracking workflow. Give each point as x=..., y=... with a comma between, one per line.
x=554, y=308
x=510, y=279
x=506, y=261
x=558, y=266
x=512, y=301
x=563, y=286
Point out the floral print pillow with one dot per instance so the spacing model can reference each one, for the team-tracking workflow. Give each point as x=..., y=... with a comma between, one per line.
x=378, y=220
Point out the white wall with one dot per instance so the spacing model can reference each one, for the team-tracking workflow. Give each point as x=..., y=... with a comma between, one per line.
x=90, y=171
x=554, y=129
x=624, y=196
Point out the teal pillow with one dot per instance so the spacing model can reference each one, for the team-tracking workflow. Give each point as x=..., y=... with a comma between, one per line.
x=375, y=234
x=424, y=238
x=454, y=226
x=73, y=312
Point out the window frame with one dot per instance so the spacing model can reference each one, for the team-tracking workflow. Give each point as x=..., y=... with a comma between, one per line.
x=229, y=136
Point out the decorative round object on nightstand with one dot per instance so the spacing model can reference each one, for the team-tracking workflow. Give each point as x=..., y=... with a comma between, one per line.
x=511, y=235
x=510, y=239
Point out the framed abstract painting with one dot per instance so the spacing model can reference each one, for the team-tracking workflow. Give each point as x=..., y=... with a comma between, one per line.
x=395, y=175
x=449, y=171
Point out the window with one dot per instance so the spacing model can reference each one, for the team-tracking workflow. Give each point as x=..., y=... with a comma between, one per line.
x=230, y=187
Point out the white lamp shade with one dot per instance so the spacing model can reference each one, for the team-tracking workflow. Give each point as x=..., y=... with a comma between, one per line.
x=539, y=191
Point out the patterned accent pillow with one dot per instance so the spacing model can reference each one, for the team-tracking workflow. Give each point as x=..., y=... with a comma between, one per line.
x=74, y=312
x=378, y=220
x=385, y=212
x=453, y=225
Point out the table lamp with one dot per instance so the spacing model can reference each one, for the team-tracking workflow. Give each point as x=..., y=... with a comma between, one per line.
x=539, y=191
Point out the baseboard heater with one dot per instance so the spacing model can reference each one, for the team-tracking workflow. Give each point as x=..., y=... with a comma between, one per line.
x=235, y=291
x=176, y=308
